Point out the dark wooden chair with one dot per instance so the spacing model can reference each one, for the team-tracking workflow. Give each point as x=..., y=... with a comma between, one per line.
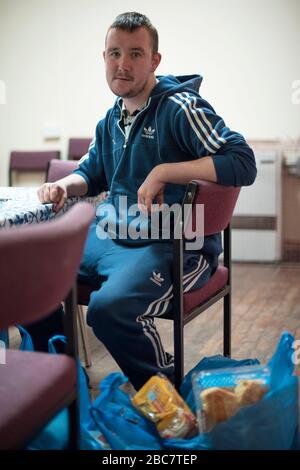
x=219, y=202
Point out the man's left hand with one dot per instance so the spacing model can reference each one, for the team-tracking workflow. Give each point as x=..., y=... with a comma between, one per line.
x=151, y=190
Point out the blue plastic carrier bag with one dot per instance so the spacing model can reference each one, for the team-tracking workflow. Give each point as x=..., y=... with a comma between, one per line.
x=200, y=442
x=271, y=423
x=26, y=341
x=121, y=424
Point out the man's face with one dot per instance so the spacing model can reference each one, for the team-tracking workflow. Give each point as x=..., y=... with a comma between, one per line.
x=130, y=61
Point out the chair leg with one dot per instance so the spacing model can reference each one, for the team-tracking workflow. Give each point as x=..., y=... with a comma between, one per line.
x=70, y=327
x=227, y=326
x=73, y=415
x=178, y=355
x=178, y=309
x=84, y=338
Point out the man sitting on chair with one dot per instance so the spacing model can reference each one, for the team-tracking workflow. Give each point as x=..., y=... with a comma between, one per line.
x=159, y=135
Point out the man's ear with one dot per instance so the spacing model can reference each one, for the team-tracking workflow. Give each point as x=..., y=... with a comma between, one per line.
x=103, y=55
x=156, y=58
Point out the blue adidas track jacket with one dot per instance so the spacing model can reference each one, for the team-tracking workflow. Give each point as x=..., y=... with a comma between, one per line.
x=176, y=125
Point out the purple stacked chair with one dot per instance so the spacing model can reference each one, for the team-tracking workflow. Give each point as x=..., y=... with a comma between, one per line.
x=30, y=161
x=78, y=147
x=58, y=169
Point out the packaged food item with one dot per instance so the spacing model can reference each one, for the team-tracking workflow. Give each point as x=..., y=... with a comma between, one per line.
x=160, y=403
x=221, y=393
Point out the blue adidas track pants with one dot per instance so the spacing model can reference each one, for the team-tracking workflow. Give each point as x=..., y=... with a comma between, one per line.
x=133, y=286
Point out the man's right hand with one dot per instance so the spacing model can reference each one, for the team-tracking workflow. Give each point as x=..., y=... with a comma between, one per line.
x=53, y=192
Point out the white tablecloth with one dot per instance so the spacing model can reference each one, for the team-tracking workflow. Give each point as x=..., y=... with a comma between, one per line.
x=20, y=205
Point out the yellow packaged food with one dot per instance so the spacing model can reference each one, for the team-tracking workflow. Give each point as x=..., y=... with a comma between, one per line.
x=160, y=403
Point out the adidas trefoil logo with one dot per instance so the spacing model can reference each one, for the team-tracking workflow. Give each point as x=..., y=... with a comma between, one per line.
x=157, y=279
x=148, y=133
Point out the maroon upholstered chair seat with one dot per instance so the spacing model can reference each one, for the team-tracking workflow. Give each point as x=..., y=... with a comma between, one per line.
x=36, y=393
x=197, y=297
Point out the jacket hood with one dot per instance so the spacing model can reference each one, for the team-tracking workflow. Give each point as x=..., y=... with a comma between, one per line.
x=170, y=84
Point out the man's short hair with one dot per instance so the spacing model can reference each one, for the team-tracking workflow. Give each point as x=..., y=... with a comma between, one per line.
x=131, y=20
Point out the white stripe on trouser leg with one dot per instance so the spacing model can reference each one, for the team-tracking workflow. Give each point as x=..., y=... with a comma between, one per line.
x=150, y=330
x=159, y=306
x=161, y=360
x=158, y=301
x=189, y=287
x=192, y=280
x=188, y=276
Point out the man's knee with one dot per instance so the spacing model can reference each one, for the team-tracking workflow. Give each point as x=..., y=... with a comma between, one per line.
x=104, y=312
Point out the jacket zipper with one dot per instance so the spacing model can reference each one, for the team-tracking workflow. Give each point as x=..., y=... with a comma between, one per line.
x=126, y=138
x=125, y=142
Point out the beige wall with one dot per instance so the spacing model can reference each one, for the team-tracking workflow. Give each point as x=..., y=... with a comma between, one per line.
x=50, y=61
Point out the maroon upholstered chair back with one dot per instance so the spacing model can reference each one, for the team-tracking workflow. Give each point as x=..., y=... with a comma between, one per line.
x=39, y=264
x=219, y=202
x=78, y=147
x=32, y=160
x=58, y=169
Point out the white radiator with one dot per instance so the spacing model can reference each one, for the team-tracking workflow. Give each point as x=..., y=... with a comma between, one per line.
x=256, y=233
